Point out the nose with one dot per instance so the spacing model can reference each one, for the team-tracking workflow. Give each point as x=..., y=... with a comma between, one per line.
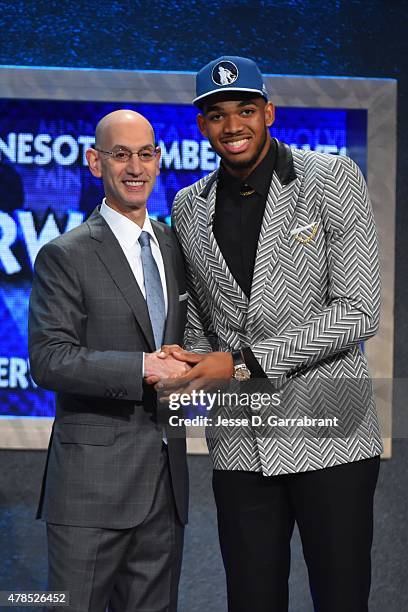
x=232, y=124
x=134, y=165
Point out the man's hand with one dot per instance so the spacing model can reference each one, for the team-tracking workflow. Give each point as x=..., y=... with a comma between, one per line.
x=158, y=367
x=209, y=371
x=169, y=349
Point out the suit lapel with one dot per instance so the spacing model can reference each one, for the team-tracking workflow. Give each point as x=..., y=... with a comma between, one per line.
x=227, y=292
x=279, y=210
x=110, y=252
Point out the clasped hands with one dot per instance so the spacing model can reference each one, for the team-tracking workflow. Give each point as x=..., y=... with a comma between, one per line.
x=174, y=370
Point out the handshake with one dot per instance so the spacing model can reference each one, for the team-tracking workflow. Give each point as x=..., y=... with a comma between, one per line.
x=174, y=370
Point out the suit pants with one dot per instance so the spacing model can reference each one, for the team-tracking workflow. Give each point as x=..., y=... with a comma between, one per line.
x=333, y=508
x=121, y=570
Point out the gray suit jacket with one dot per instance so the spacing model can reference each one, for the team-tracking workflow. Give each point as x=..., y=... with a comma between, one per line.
x=315, y=296
x=88, y=327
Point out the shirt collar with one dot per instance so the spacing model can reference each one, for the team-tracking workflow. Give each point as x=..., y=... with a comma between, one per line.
x=259, y=179
x=126, y=231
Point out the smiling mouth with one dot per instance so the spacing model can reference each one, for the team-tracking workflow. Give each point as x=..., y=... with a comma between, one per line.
x=236, y=146
x=134, y=184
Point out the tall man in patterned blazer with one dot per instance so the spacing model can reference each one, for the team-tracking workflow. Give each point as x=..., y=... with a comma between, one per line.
x=283, y=284
x=105, y=296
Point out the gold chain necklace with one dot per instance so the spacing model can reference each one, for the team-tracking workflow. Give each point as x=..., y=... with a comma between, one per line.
x=246, y=190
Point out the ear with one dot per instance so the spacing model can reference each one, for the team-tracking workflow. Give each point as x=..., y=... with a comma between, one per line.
x=94, y=162
x=269, y=114
x=202, y=125
x=157, y=161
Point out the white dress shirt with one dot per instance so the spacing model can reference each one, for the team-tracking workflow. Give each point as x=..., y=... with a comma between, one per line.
x=127, y=233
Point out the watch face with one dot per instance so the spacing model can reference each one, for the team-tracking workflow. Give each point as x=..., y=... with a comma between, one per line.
x=242, y=373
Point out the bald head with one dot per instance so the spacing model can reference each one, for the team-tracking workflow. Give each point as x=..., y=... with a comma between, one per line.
x=120, y=120
x=128, y=179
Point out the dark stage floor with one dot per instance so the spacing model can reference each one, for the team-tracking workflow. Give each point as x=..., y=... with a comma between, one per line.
x=22, y=539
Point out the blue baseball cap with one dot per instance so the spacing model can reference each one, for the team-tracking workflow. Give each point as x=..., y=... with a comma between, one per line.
x=229, y=73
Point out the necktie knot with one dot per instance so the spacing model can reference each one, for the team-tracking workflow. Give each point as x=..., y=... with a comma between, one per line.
x=144, y=239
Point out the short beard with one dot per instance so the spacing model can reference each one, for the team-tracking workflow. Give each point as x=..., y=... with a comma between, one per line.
x=248, y=163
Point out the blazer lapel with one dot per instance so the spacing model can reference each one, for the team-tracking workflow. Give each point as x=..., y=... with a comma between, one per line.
x=114, y=260
x=280, y=205
x=228, y=293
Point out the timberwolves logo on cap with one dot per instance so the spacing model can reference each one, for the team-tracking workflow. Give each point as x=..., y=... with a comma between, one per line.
x=224, y=73
x=229, y=73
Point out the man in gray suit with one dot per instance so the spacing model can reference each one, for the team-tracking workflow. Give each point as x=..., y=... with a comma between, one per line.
x=283, y=280
x=105, y=296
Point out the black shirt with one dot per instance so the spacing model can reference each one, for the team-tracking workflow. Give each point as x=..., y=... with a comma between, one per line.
x=238, y=218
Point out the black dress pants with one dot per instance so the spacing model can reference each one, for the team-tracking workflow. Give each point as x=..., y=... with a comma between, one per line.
x=333, y=509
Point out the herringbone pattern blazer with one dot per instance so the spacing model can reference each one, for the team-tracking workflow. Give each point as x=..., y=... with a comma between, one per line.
x=315, y=297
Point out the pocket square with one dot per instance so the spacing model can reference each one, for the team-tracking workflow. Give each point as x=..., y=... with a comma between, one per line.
x=304, y=228
x=183, y=296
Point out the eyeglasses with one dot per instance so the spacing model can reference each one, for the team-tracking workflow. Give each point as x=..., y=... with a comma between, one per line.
x=123, y=155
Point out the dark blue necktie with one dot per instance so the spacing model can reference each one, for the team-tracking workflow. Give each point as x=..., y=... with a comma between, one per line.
x=154, y=290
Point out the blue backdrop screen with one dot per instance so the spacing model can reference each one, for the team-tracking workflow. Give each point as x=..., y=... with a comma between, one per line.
x=46, y=189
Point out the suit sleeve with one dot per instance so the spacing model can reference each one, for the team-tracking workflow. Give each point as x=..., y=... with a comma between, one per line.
x=353, y=304
x=57, y=320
